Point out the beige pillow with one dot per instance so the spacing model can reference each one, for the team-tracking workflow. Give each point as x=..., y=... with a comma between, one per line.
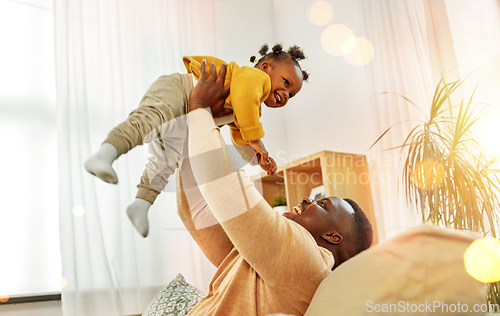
x=420, y=272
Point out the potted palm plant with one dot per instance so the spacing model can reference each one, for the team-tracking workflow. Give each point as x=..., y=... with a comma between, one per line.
x=446, y=174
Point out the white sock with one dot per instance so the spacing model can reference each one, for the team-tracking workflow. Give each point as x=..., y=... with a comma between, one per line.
x=138, y=214
x=100, y=163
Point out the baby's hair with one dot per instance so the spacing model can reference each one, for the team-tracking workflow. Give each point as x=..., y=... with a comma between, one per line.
x=293, y=55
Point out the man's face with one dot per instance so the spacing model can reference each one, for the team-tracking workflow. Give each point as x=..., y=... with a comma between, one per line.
x=323, y=216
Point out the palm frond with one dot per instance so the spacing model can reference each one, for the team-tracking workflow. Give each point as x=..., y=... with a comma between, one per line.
x=468, y=197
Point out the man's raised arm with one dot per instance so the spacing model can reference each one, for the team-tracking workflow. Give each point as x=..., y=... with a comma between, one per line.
x=253, y=227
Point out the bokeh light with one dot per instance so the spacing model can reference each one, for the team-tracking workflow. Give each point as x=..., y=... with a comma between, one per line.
x=4, y=298
x=64, y=282
x=361, y=52
x=490, y=141
x=78, y=210
x=320, y=13
x=428, y=174
x=482, y=260
x=337, y=40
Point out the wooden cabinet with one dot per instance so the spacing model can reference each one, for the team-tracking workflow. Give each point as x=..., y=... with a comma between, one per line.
x=343, y=175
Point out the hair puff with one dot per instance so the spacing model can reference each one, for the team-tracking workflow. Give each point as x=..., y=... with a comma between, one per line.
x=296, y=53
x=305, y=75
x=278, y=48
x=263, y=50
x=293, y=55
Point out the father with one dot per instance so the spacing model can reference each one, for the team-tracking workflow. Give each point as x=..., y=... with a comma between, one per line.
x=266, y=263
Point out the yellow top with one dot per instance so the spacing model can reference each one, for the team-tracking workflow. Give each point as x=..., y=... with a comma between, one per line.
x=249, y=88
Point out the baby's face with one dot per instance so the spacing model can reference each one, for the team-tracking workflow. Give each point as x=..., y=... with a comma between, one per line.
x=286, y=82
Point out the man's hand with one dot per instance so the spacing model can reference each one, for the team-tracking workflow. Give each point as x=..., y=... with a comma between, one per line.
x=209, y=91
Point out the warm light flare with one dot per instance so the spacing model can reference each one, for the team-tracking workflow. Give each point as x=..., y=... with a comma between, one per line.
x=320, y=13
x=4, y=298
x=482, y=260
x=428, y=174
x=491, y=142
x=360, y=51
x=337, y=40
x=78, y=210
x=64, y=282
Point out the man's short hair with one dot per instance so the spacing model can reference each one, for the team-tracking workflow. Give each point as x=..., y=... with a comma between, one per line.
x=362, y=228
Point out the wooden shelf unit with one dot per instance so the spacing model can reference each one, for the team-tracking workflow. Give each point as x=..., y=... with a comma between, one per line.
x=342, y=174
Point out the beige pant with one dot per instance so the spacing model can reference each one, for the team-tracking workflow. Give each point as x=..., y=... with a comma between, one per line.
x=166, y=99
x=159, y=121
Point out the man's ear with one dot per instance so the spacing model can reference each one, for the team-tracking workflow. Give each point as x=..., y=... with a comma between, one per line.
x=265, y=66
x=333, y=238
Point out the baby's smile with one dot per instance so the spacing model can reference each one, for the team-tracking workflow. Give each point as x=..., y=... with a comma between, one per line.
x=277, y=97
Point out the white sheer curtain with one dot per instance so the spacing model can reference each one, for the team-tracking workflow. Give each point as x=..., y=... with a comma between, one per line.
x=29, y=217
x=403, y=65
x=107, y=55
x=475, y=30
x=415, y=42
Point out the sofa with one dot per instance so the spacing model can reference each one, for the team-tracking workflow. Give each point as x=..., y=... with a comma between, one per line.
x=420, y=271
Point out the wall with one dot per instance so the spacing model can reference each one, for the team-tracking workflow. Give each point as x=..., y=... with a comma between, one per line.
x=242, y=27
x=333, y=109
x=332, y=112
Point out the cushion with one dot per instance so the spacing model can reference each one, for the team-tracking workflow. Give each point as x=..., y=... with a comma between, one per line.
x=421, y=271
x=177, y=299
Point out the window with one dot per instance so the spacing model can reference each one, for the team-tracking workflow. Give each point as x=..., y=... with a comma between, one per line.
x=29, y=220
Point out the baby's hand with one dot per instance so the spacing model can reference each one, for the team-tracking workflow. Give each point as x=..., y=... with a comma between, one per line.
x=269, y=166
x=260, y=150
x=265, y=162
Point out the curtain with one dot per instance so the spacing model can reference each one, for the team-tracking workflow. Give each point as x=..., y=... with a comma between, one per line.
x=475, y=31
x=107, y=54
x=402, y=66
x=415, y=43
x=29, y=225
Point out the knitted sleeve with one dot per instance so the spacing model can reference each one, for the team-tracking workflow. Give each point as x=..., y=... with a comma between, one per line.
x=281, y=251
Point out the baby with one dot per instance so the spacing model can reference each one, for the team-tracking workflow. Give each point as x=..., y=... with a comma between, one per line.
x=276, y=77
